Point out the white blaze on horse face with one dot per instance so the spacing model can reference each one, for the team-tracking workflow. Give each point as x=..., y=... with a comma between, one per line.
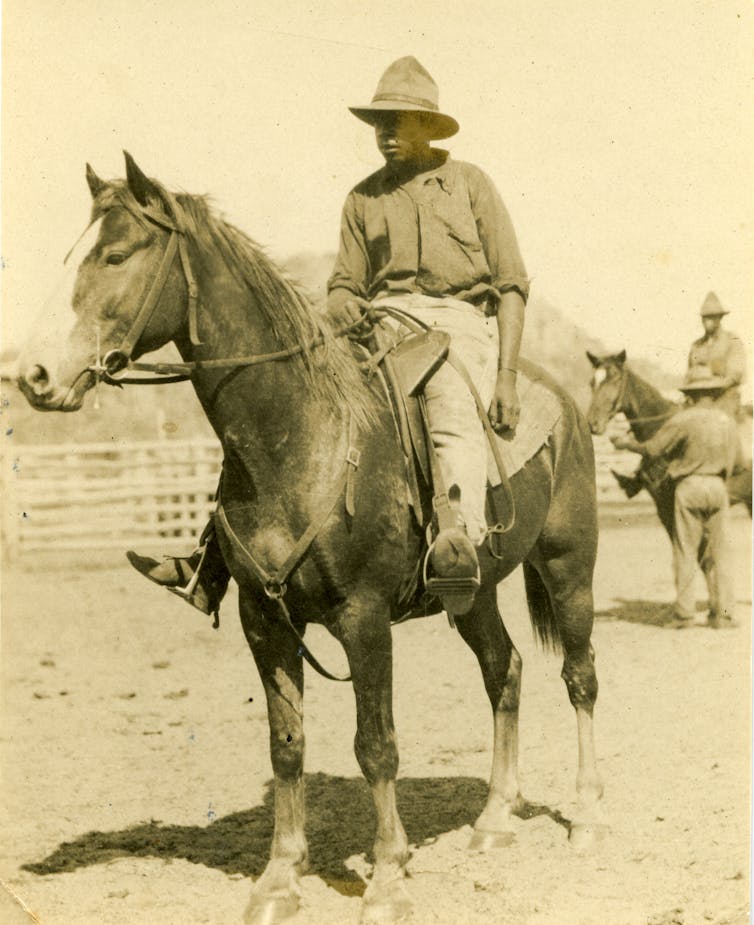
x=600, y=375
x=52, y=330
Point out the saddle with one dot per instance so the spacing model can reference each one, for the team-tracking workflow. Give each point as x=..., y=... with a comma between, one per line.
x=406, y=362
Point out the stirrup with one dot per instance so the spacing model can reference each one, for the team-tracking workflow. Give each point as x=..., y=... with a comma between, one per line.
x=456, y=594
x=187, y=593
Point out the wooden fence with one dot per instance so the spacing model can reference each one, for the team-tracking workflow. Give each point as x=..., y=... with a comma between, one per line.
x=112, y=495
x=100, y=495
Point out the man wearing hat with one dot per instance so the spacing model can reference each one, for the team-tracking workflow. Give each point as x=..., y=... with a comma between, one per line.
x=700, y=443
x=431, y=236
x=722, y=352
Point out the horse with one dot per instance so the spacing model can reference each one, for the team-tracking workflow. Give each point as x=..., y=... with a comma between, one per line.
x=293, y=410
x=616, y=388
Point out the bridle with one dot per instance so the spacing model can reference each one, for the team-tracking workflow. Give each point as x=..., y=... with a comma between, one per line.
x=114, y=361
x=119, y=358
x=621, y=394
x=617, y=404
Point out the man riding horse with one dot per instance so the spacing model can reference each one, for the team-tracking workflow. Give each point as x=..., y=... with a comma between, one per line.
x=722, y=352
x=430, y=237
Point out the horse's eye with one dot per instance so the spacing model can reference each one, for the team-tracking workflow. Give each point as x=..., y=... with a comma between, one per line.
x=115, y=259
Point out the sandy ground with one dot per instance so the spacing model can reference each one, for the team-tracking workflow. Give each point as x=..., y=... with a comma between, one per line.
x=136, y=772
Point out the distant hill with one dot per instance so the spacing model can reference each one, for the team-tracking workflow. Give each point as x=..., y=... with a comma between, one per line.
x=173, y=412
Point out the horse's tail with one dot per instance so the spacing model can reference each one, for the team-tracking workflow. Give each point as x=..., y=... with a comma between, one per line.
x=540, y=609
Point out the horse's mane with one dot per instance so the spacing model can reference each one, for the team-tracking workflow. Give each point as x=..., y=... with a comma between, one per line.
x=332, y=370
x=651, y=391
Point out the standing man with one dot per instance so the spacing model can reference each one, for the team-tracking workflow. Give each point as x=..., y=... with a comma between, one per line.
x=432, y=237
x=722, y=352
x=700, y=443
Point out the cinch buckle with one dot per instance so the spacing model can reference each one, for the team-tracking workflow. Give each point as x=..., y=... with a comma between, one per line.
x=353, y=457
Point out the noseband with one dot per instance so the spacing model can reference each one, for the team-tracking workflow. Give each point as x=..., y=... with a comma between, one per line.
x=618, y=402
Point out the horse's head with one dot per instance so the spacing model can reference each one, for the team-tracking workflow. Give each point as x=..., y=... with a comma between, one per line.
x=101, y=313
x=608, y=386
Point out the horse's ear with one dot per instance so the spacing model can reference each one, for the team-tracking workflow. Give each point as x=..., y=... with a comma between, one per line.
x=595, y=361
x=140, y=185
x=95, y=184
x=621, y=357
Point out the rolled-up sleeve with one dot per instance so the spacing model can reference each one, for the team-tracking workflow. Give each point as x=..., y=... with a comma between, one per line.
x=497, y=235
x=668, y=438
x=350, y=274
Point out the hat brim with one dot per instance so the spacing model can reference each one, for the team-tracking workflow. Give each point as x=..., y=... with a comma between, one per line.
x=719, y=314
x=439, y=125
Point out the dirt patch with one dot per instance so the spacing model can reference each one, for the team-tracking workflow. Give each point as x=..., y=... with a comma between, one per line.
x=136, y=771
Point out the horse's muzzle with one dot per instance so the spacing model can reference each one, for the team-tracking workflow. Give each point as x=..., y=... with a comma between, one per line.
x=37, y=385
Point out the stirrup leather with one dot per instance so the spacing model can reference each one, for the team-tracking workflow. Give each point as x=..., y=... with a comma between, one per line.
x=187, y=593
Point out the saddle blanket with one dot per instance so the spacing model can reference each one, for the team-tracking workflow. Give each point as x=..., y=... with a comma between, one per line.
x=540, y=412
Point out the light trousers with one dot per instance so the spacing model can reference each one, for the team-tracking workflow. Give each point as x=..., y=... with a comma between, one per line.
x=456, y=430
x=701, y=515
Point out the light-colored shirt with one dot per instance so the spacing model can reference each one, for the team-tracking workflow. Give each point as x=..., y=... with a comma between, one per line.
x=443, y=232
x=697, y=441
x=723, y=353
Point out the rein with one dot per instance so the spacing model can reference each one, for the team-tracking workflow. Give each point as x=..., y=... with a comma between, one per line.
x=275, y=584
x=618, y=406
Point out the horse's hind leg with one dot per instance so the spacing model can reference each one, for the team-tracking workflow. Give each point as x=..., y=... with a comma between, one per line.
x=275, y=895
x=364, y=631
x=558, y=580
x=484, y=632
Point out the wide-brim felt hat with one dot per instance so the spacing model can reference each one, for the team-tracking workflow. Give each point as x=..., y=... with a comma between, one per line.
x=700, y=378
x=406, y=86
x=711, y=306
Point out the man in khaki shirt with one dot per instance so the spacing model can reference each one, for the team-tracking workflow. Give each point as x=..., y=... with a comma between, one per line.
x=700, y=443
x=432, y=237
x=722, y=352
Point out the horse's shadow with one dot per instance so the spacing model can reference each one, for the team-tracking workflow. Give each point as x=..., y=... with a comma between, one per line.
x=340, y=824
x=650, y=613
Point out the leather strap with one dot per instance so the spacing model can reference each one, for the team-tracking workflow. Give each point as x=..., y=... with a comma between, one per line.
x=155, y=291
x=193, y=293
x=274, y=584
x=353, y=458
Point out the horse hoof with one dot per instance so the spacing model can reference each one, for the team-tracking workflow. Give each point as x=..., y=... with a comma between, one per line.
x=584, y=835
x=270, y=910
x=483, y=840
x=391, y=905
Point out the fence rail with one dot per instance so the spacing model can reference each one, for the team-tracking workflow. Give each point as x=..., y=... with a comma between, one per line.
x=103, y=495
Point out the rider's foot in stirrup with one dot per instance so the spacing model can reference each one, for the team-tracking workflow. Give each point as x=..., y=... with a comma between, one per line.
x=176, y=574
x=455, y=568
x=169, y=572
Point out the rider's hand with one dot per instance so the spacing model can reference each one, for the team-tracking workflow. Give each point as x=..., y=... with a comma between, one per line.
x=619, y=442
x=505, y=407
x=351, y=314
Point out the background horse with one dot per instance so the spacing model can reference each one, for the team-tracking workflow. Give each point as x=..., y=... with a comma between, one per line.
x=290, y=405
x=616, y=388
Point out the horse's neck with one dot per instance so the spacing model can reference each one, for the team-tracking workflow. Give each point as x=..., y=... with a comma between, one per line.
x=645, y=408
x=263, y=414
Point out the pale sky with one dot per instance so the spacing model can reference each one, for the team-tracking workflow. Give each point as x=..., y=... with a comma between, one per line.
x=619, y=134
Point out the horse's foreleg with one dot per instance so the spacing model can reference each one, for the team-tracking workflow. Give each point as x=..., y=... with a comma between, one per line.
x=484, y=632
x=367, y=640
x=275, y=895
x=567, y=579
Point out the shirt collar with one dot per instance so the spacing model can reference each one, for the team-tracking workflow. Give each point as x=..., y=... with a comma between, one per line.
x=436, y=170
